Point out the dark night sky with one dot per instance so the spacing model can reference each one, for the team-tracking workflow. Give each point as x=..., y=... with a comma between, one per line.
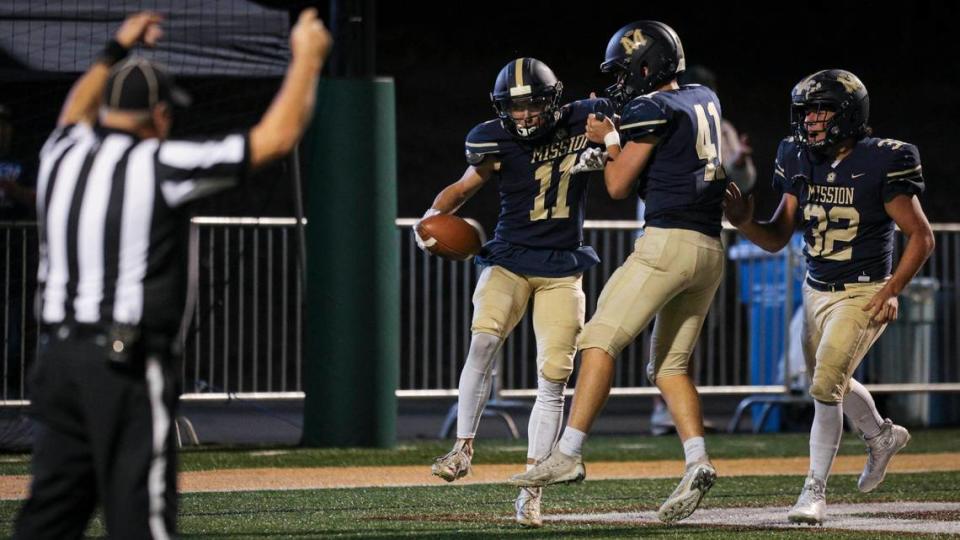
x=445, y=59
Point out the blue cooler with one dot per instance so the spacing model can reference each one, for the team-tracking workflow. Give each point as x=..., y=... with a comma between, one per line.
x=763, y=288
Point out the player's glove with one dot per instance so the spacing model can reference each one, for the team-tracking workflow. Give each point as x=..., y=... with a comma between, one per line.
x=592, y=159
x=421, y=243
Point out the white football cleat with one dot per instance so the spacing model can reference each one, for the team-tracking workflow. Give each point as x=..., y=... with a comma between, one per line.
x=812, y=503
x=454, y=464
x=527, y=507
x=880, y=450
x=696, y=482
x=556, y=468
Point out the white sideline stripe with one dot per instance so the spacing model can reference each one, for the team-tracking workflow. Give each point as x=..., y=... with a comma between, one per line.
x=156, y=477
x=839, y=516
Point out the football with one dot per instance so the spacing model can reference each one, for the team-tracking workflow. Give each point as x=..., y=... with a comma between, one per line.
x=455, y=239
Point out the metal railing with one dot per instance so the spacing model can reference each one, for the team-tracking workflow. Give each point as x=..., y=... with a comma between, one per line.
x=436, y=328
x=920, y=352
x=728, y=359
x=246, y=336
x=245, y=340
x=440, y=291
x=18, y=253
x=247, y=333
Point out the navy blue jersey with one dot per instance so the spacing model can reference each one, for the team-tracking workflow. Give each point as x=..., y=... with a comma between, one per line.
x=540, y=227
x=683, y=182
x=849, y=236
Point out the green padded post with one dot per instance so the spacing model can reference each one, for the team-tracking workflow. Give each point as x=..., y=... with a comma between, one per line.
x=352, y=336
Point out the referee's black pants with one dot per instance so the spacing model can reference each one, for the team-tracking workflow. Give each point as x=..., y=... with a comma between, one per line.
x=103, y=432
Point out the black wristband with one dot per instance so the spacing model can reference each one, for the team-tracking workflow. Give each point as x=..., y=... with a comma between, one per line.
x=113, y=52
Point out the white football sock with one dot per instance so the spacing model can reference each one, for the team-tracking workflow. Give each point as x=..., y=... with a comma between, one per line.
x=546, y=418
x=825, y=437
x=475, y=383
x=571, y=443
x=694, y=450
x=861, y=410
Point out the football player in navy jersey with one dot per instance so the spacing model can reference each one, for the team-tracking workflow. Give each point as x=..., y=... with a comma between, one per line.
x=672, y=154
x=537, y=252
x=847, y=189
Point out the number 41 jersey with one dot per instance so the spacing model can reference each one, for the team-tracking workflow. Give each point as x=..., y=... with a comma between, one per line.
x=540, y=227
x=848, y=233
x=683, y=182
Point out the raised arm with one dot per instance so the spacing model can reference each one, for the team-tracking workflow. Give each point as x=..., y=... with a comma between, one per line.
x=770, y=235
x=85, y=95
x=285, y=121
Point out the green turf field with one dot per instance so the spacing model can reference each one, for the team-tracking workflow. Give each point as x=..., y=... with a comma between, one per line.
x=506, y=451
x=484, y=511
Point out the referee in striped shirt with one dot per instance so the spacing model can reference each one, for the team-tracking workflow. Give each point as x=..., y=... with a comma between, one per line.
x=110, y=199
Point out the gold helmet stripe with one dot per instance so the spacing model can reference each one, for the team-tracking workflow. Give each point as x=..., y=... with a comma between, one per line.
x=520, y=89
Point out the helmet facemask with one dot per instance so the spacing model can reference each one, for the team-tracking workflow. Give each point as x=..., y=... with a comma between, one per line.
x=620, y=92
x=829, y=90
x=802, y=127
x=531, y=116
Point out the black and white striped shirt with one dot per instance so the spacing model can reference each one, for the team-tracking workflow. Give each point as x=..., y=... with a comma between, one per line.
x=113, y=233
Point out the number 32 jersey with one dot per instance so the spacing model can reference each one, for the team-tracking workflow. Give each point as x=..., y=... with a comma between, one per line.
x=540, y=227
x=848, y=233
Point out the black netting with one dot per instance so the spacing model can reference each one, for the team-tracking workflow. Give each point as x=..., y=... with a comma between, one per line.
x=229, y=54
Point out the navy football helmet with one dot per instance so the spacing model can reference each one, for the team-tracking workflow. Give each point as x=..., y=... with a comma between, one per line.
x=830, y=90
x=642, y=44
x=525, y=84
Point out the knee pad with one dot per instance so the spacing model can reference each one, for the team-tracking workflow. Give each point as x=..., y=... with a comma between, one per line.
x=667, y=368
x=601, y=335
x=483, y=348
x=556, y=363
x=828, y=382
